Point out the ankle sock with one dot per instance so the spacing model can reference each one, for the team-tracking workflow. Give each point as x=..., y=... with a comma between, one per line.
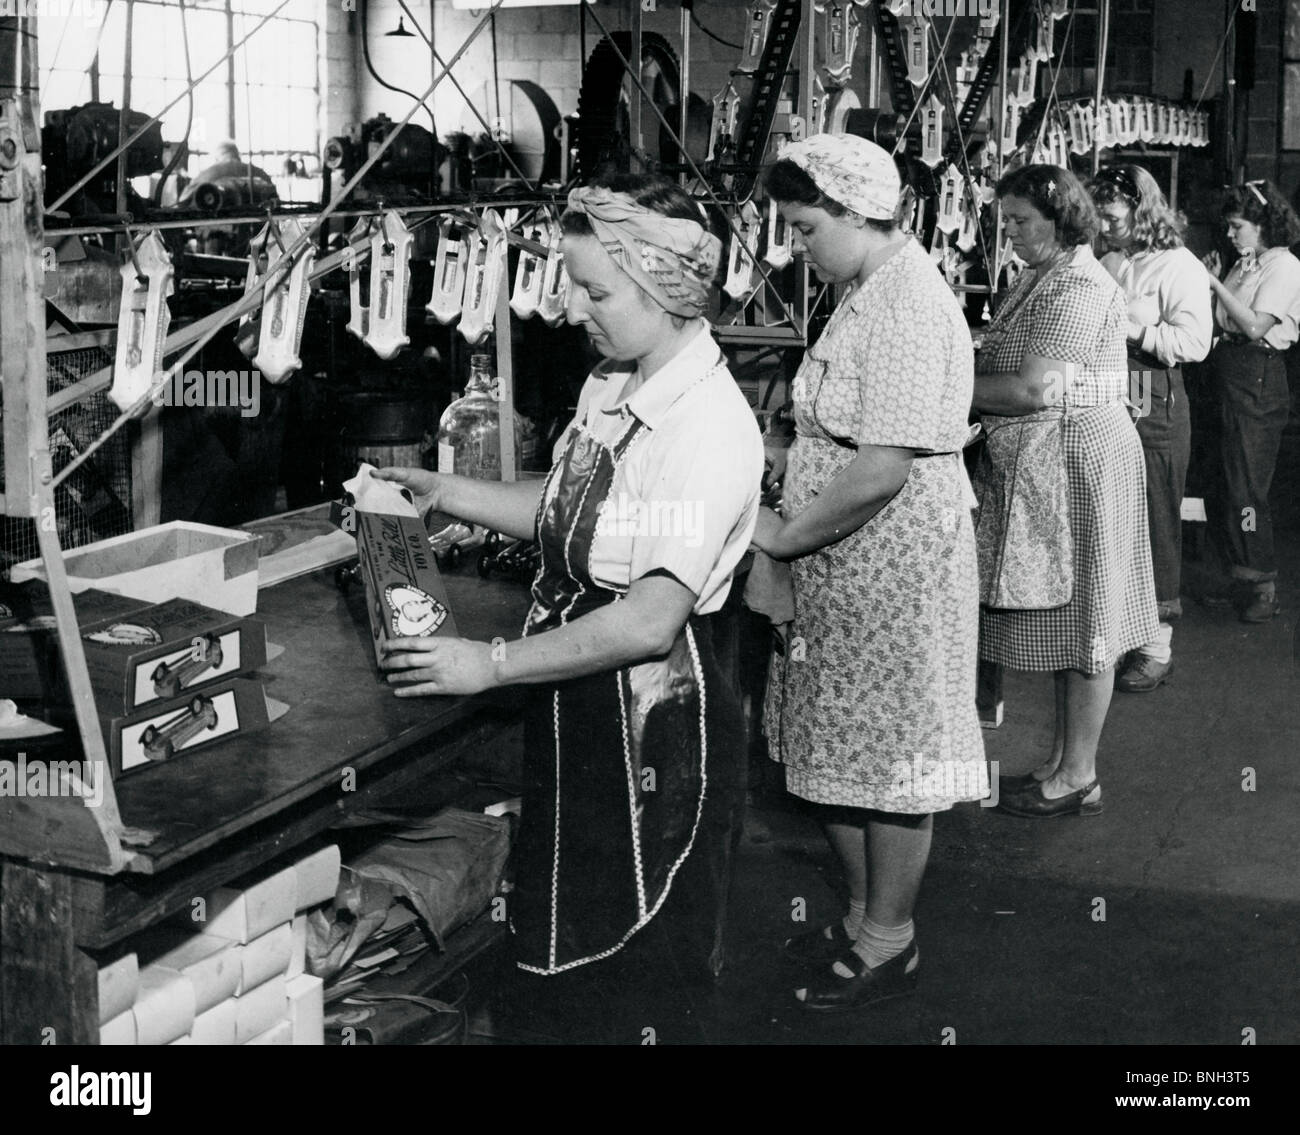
x=853, y=920
x=876, y=944
x=1160, y=648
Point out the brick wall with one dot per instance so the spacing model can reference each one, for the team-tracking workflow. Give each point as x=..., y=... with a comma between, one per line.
x=542, y=45
x=537, y=44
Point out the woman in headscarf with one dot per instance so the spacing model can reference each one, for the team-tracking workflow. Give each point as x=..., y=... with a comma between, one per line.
x=634, y=743
x=872, y=706
x=1169, y=324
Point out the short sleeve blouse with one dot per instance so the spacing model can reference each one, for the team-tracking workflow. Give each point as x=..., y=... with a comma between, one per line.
x=1077, y=314
x=1271, y=285
x=893, y=366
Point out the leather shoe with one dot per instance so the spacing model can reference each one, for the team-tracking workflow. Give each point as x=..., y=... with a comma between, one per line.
x=814, y=948
x=1143, y=674
x=1030, y=802
x=830, y=993
x=1262, y=607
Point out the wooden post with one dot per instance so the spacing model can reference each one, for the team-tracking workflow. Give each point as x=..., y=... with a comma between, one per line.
x=28, y=467
x=506, y=375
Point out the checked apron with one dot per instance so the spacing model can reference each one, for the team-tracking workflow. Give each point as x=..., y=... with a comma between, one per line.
x=632, y=777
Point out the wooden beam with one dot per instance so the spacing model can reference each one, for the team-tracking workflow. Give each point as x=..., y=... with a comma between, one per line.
x=22, y=310
x=49, y=989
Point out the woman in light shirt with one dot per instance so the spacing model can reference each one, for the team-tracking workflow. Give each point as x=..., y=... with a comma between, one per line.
x=633, y=776
x=1169, y=323
x=1257, y=308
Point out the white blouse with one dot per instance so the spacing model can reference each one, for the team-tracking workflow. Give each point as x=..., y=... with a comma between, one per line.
x=1270, y=285
x=685, y=497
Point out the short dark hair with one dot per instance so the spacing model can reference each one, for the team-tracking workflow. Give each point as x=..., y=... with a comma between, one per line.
x=786, y=181
x=1278, y=224
x=1059, y=196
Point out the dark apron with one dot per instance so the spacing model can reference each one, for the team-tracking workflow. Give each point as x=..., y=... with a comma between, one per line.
x=633, y=777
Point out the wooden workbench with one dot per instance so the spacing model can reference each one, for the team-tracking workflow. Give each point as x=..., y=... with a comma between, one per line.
x=346, y=743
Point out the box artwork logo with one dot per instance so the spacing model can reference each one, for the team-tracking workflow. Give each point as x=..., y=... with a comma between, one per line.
x=73, y=778
x=222, y=389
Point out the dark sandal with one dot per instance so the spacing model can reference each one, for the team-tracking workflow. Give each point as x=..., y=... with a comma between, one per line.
x=831, y=993
x=814, y=948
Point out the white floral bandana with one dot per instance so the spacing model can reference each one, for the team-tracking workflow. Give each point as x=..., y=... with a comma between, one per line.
x=850, y=170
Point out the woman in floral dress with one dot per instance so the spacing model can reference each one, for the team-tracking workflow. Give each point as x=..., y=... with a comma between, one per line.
x=872, y=707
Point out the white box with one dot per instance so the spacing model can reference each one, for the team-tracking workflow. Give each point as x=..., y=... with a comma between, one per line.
x=210, y=962
x=213, y=566
x=119, y=984
x=265, y=957
x=120, y=1030
x=277, y=1034
x=260, y=1009
x=307, y=1009
x=164, y=1009
x=217, y=1025
x=242, y=915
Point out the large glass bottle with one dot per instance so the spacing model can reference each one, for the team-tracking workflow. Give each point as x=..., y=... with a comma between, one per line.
x=469, y=432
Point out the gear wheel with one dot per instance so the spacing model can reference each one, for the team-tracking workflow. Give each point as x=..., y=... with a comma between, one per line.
x=604, y=127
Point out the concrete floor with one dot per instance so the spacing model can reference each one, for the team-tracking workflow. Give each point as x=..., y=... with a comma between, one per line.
x=1200, y=881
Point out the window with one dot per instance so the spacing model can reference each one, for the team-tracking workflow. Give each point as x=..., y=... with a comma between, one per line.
x=1291, y=78
x=1129, y=49
x=266, y=97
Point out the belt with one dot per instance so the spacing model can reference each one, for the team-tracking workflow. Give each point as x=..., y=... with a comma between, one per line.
x=1234, y=339
x=1150, y=362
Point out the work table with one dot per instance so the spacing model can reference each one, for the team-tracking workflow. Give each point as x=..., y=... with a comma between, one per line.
x=346, y=743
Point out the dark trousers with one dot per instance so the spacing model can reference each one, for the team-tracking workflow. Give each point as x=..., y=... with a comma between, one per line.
x=1254, y=403
x=1165, y=428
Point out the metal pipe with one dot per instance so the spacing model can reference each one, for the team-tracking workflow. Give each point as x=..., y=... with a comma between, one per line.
x=124, y=114
x=1103, y=37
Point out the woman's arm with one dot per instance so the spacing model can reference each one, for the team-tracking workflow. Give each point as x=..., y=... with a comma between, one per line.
x=855, y=494
x=1254, y=324
x=508, y=507
x=1041, y=382
x=640, y=626
x=1185, y=326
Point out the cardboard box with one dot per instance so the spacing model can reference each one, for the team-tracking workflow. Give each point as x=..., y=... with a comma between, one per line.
x=235, y=706
x=163, y=652
x=217, y=566
x=29, y=666
x=405, y=596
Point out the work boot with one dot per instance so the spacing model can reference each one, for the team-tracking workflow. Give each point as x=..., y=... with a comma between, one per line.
x=1263, y=604
x=1143, y=674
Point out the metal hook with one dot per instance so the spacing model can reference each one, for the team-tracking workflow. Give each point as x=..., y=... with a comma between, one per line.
x=273, y=229
x=139, y=272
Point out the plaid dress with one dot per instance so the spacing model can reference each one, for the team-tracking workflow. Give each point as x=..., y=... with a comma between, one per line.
x=1078, y=314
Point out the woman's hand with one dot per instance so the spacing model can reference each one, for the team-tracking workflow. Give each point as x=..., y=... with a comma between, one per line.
x=1135, y=331
x=1213, y=263
x=423, y=485
x=775, y=458
x=768, y=531
x=419, y=667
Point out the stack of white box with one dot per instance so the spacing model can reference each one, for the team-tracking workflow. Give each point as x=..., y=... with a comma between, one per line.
x=230, y=972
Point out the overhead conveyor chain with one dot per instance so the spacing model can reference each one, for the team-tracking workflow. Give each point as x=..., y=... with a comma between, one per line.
x=757, y=128
x=982, y=84
x=900, y=85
